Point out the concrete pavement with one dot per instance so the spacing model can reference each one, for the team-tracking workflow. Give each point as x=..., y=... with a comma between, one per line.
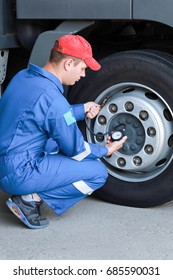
x=92, y=229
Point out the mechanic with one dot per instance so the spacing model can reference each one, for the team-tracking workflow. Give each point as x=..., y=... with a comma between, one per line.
x=43, y=155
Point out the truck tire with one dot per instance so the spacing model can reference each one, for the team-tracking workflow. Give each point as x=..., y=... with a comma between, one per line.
x=136, y=88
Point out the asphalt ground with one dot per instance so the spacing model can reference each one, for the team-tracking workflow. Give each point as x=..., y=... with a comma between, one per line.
x=91, y=230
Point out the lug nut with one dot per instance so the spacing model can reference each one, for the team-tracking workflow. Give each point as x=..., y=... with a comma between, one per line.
x=99, y=137
x=139, y=141
x=113, y=108
x=129, y=106
x=149, y=149
x=151, y=131
x=121, y=162
x=102, y=120
x=143, y=115
x=137, y=161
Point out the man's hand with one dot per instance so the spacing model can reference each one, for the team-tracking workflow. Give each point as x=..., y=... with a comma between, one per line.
x=91, y=109
x=114, y=146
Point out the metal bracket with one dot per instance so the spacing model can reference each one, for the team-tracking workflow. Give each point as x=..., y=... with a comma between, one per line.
x=3, y=66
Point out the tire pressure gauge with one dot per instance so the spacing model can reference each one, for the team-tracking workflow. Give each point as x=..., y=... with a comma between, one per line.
x=118, y=133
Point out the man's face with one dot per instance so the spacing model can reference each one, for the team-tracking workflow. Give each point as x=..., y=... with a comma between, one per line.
x=74, y=72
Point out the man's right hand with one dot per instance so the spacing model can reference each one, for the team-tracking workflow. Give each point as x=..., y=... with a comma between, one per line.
x=114, y=146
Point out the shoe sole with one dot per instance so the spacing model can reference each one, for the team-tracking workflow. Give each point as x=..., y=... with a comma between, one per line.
x=19, y=214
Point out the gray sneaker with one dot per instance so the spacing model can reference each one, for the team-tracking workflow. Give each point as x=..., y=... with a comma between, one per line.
x=27, y=212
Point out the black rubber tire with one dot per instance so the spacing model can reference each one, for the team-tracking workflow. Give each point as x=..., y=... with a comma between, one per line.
x=155, y=70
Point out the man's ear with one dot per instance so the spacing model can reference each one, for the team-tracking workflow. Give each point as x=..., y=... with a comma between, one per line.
x=68, y=64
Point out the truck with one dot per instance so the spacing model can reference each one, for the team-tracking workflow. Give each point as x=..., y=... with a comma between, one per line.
x=133, y=42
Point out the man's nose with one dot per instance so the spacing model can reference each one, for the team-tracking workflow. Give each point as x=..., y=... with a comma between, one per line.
x=83, y=74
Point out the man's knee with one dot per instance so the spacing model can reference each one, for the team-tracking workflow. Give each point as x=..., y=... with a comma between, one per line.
x=102, y=173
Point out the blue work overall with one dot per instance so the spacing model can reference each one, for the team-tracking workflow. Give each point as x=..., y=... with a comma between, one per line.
x=42, y=149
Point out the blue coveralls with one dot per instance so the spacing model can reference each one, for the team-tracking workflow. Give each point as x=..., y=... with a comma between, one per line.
x=35, y=121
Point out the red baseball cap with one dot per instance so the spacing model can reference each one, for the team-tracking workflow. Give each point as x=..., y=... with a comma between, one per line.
x=77, y=46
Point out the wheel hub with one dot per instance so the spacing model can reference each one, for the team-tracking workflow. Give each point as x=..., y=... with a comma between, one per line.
x=133, y=130
x=148, y=126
